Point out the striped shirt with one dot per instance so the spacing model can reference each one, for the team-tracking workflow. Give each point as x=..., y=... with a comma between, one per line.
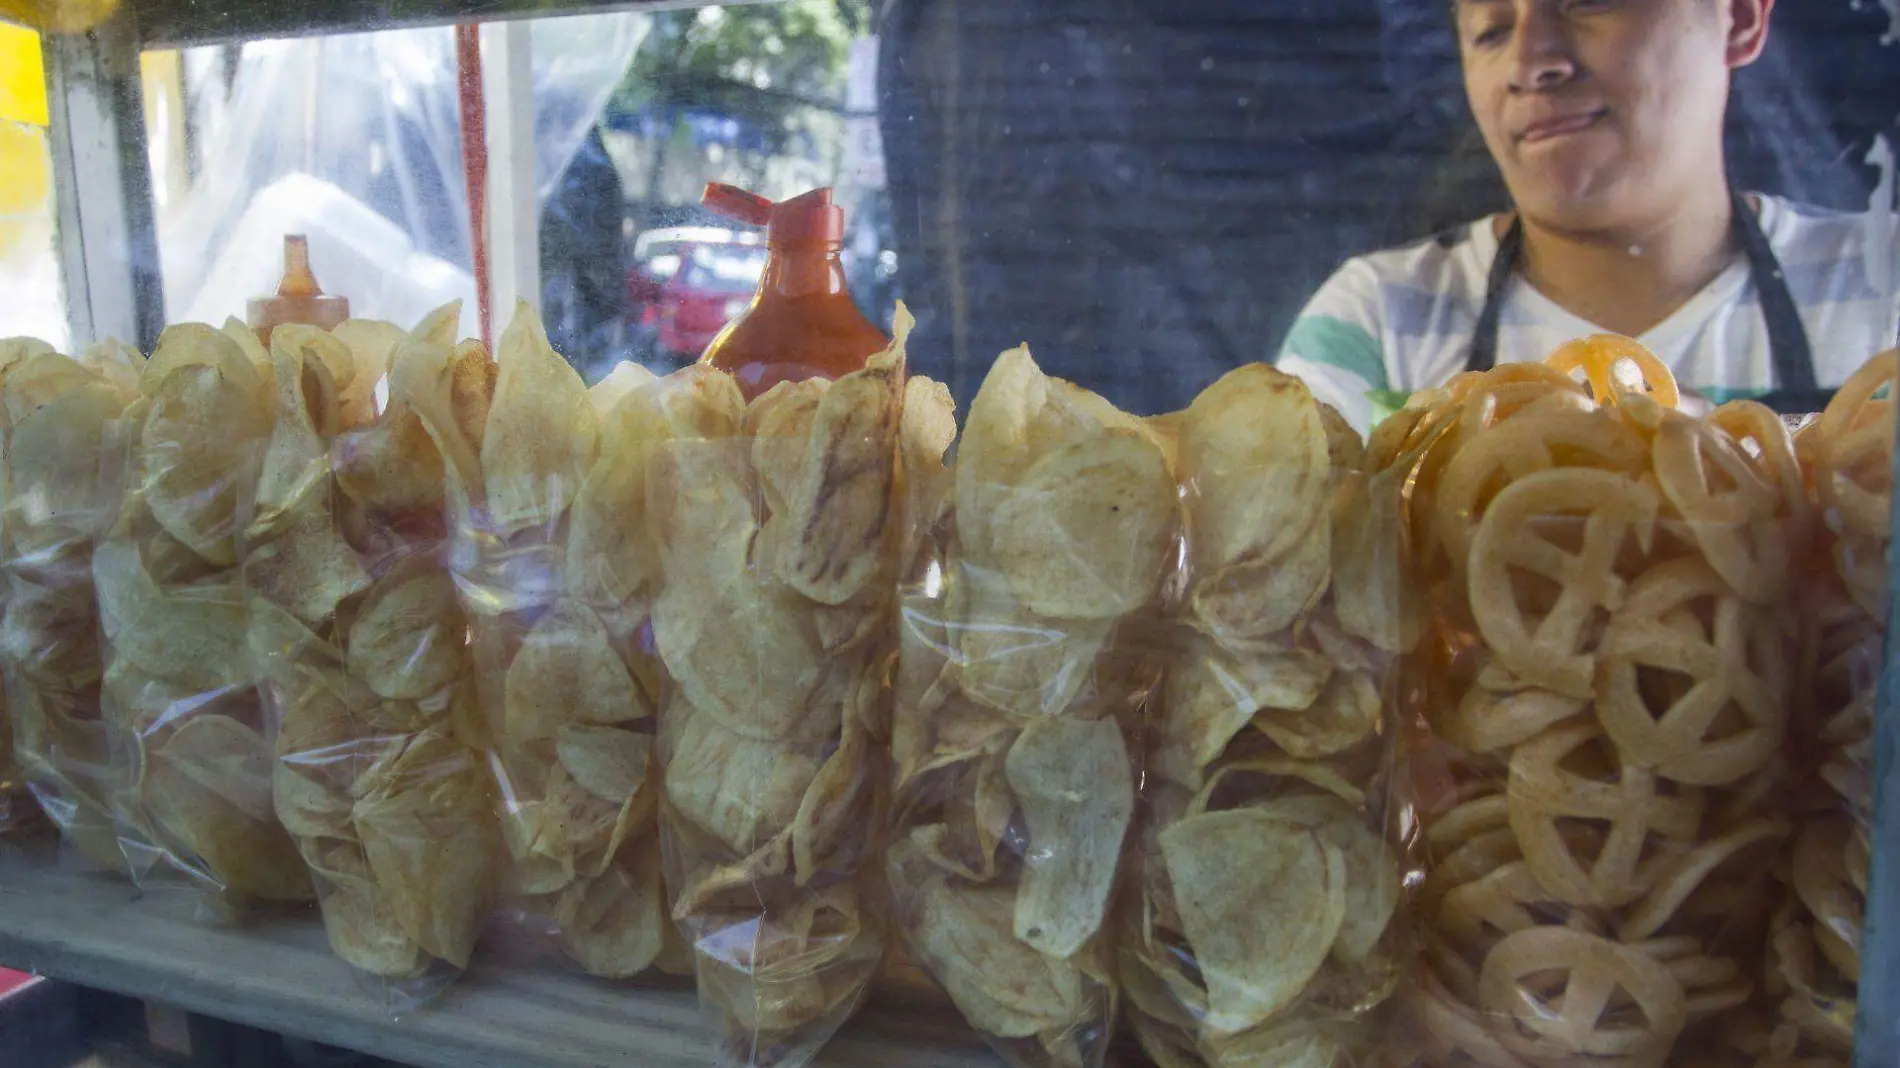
x=1401, y=320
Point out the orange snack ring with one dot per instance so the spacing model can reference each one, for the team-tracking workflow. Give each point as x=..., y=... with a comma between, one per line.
x=1598, y=356
x=1474, y=916
x=1456, y=1033
x=1855, y=478
x=1650, y=914
x=1550, y=651
x=1632, y=805
x=1729, y=670
x=1850, y=448
x=1822, y=881
x=1748, y=422
x=1860, y=389
x=1551, y=1023
x=1486, y=721
x=1561, y=430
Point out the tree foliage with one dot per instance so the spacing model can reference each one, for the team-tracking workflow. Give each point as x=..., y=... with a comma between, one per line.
x=759, y=62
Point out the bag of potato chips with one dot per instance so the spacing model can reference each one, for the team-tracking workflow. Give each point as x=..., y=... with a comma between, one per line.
x=1029, y=624
x=1810, y=985
x=192, y=785
x=557, y=587
x=1598, y=780
x=65, y=423
x=777, y=531
x=1262, y=930
x=380, y=772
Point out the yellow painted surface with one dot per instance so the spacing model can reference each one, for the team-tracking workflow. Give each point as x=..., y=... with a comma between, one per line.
x=58, y=16
x=26, y=180
x=22, y=78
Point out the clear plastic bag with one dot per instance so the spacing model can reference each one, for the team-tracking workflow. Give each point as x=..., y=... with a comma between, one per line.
x=1265, y=928
x=777, y=531
x=66, y=423
x=1599, y=774
x=557, y=592
x=1811, y=979
x=16, y=802
x=381, y=773
x=1028, y=623
x=339, y=129
x=184, y=716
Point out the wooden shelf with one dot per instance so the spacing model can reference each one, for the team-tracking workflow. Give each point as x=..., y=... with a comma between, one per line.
x=98, y=931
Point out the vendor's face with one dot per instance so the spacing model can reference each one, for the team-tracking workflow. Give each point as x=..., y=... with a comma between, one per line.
x=1599, y=112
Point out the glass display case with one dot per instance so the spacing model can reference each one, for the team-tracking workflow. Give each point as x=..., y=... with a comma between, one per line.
x=1228, y=534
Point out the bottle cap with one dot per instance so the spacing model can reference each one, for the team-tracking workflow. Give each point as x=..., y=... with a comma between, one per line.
x=806, y=219
x=299, y=299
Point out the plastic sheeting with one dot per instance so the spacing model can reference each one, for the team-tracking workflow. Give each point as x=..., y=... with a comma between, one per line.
x=355, y=122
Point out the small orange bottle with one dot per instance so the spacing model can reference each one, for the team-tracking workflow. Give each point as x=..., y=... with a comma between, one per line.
x=801, y=322
x=299, y=299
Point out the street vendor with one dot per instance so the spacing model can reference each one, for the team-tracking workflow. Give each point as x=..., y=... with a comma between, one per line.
x=1605, y=118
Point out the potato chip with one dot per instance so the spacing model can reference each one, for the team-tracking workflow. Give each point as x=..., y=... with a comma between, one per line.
x=1211, y=695
x=310, y=809
x=309, y=569
x=407, y=640
x=608, y=555
x=56, y=458
x=836, y=808
x=1345, y=713
x=741, y=649
x=791, y=969
x=200, y=345
x=1229, y=869
x=198, y=454
x=1372, y=583
x=196, y=638
x=566, y=672
x=392, y=463
x=1004, y=419
x=1085, y=533
x=372, y=343
x=1254, y=449
x=1072, y=780
x=928, y=429
x=779, y=424
x=1015, y=662
x=580, y=830
x=326, y=368
x=615, y=925
x=1257, y=597
x=610, y=763
x=422, y=379
x=210, y=783
x=841, y=506
x=740, y=790
x=541, y=432
x=359, y=917
x=295, y=471
x=1018, y=416
x=700, y=504
x=1002, y=986
x=1372, y=881
x=426, y=835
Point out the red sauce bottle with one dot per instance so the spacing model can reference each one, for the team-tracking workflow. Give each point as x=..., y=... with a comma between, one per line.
x=299, y=298
x=801, y=322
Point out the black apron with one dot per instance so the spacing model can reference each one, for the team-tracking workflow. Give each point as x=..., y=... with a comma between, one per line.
x=1794, y=392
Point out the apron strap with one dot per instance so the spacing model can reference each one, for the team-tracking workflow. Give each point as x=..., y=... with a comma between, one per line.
x=1484, y=339
x=1788, y=350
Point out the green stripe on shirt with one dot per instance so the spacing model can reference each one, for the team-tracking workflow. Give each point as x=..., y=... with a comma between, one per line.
x=1724, y=394
x=1337, y=343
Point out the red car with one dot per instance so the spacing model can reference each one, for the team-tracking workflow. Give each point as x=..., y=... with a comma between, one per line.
x=688, y=281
